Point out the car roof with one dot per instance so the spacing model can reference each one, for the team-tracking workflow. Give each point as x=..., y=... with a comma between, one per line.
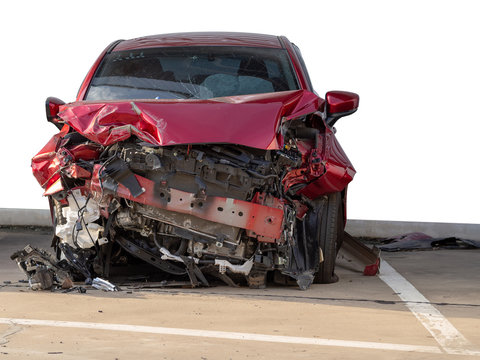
x=200, y=39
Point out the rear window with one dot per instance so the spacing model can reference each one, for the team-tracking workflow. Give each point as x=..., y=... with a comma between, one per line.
x=192, y=73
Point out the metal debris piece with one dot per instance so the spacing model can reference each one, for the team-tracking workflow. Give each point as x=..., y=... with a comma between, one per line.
x=104, y=285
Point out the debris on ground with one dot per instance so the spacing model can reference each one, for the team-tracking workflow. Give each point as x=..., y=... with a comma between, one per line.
x=43, y=271
x=79, y=289
x=421, y=241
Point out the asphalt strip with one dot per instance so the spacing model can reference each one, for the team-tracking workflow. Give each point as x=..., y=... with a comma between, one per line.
x=448, y=337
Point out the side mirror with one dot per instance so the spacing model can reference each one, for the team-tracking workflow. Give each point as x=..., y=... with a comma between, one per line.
x=339, y=104
x=52, y=107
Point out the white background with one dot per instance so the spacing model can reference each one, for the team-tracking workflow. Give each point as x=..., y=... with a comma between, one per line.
x=415, y=64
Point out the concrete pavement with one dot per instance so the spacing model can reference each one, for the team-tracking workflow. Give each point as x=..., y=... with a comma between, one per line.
x=357, y=318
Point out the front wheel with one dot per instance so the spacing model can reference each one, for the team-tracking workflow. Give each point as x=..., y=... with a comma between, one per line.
x=330, y=237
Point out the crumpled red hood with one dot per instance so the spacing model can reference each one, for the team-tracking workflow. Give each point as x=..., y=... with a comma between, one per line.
x=250, y=120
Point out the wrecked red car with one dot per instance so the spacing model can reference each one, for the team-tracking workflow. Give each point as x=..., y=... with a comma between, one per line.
x=205, y=155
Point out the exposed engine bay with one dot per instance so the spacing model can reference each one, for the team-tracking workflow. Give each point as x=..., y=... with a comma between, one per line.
x=187, y=208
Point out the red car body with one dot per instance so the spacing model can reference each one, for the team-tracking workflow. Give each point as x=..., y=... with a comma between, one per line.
x=273, y=124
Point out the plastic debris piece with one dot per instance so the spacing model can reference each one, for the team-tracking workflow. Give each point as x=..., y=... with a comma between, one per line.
x=372, y=270
x=359, y=256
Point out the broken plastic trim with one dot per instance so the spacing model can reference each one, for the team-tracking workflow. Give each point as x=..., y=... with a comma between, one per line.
x=119, y=171
x=167, y=255
x=244, y=269
x=42, y=269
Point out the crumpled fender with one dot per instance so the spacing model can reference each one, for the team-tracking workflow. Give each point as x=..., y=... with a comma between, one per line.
x=249, y=120
x=45, y=164
x=325, y=169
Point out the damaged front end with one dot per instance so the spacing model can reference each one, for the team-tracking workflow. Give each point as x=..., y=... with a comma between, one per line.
x=125, y=186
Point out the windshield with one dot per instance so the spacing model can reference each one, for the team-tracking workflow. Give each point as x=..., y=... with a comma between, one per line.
x=192, y=73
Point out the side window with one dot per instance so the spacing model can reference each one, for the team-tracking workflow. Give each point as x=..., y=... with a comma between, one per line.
x=302, y=64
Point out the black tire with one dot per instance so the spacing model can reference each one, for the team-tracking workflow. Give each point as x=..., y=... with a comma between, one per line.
x=330, y=238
